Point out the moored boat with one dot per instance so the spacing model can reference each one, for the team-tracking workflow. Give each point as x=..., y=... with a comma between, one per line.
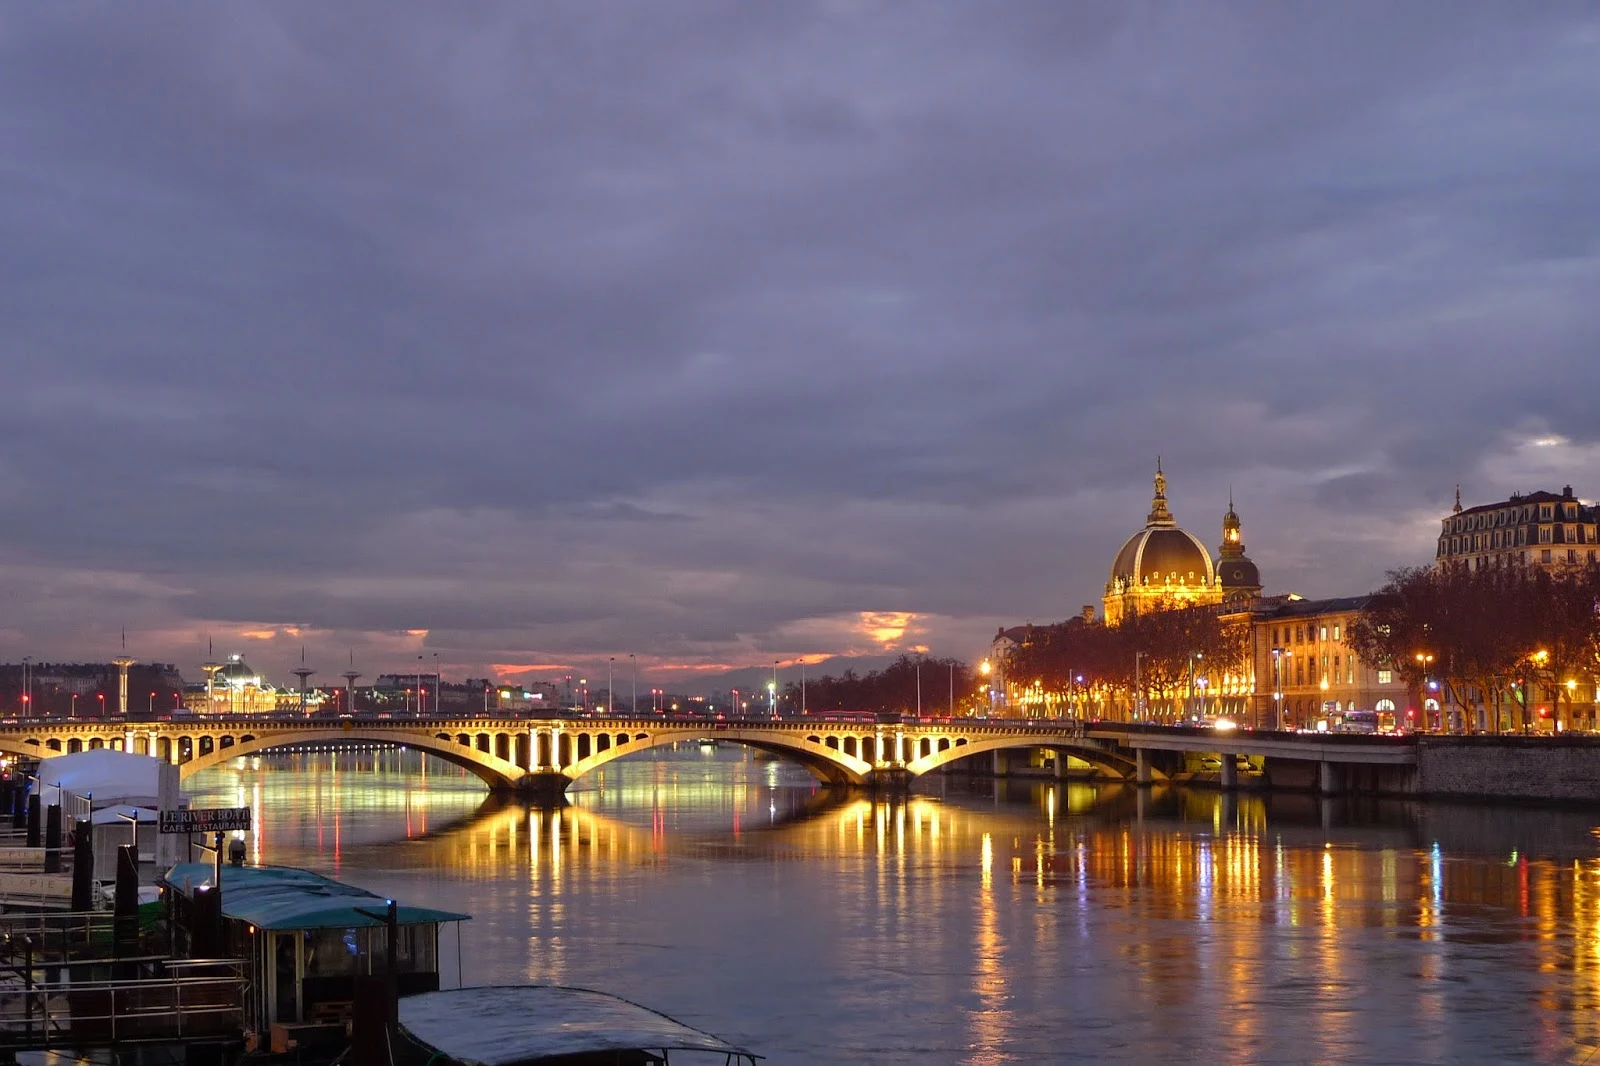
x=546, y=1025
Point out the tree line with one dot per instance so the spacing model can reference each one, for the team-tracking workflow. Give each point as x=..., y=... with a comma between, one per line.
x=894, y=689
x=1158, y=657
x=1505, y=642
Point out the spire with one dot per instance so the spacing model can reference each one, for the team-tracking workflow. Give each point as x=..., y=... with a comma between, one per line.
x=1159, y=515
x=1232, y=537
x=1458, y=500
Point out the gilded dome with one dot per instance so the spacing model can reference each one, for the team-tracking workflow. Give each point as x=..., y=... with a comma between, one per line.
x=1161, y=553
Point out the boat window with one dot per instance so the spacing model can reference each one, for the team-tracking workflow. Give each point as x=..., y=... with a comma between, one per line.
x=332, y=953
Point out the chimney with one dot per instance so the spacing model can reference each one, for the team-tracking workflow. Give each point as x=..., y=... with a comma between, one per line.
x=1566, y=492
x=1088, y=612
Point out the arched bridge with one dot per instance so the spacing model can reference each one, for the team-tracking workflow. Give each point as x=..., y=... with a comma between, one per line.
x=543, y=756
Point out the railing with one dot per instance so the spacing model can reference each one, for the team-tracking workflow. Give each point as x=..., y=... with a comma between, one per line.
x=73, y=806
x=54, y=934
x=101, y=1013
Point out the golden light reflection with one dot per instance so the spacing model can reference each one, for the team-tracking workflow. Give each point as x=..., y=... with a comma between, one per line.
x=1211, y=898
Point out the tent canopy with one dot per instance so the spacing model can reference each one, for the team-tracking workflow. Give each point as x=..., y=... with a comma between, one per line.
x=108, y=776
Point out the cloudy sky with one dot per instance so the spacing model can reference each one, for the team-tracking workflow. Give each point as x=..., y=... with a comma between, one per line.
x=724, y=333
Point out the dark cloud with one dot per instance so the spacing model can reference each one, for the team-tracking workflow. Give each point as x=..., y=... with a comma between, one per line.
x=707, y=331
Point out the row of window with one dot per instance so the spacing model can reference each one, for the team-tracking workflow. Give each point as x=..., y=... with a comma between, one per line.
x=1505, y=539
x=1525, y=513
x=1547, y=556
x=1302, y=634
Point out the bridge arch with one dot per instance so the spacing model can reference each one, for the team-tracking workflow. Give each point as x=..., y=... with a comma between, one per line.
x=495, y=772
x=826, y=763
x=1111, y=762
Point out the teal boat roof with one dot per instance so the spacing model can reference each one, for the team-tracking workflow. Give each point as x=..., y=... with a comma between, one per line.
x=279, y=898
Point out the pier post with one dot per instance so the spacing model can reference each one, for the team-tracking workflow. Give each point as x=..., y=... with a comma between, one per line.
x=34, y=827
x=1230, y=771
x=82, y=865
x=1141, y=766
x=52, y=839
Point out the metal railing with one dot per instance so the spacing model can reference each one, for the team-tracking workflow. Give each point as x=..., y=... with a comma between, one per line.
x=100, y=1013
x=54, y=933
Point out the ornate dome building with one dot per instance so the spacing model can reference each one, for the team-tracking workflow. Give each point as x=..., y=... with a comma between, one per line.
x=1162, y=565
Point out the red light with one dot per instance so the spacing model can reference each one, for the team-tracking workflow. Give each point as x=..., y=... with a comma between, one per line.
x=1544, y=712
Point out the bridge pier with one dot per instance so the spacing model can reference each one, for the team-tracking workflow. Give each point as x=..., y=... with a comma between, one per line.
x=889, y=779
x=1330, y=778
x=548, y=787
x=1141, y=767
x=1230, y=771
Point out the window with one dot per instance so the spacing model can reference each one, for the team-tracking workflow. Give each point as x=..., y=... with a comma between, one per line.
x=1385, y=677
x=1337, y=672
x=1544, y=556
x=1350, y=670
x=1544, y=537
x=1323, y=633
x=1335, y=632
x=1572, y=555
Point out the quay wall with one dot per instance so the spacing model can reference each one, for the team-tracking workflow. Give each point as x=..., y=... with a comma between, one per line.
x=1562, y=769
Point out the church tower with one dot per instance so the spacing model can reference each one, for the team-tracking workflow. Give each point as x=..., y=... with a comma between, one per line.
x=1241, y=580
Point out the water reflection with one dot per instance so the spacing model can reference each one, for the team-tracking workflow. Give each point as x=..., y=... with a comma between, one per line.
x=985, y=922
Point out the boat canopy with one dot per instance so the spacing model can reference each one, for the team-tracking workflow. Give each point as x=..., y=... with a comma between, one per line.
x=279, y=898
x=515, y=1025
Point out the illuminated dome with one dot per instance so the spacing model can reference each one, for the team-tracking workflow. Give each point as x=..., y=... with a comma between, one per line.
x=1161, y=565
x=237, y=672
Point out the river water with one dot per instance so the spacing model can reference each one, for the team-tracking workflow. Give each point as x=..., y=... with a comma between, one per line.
x=980, y=921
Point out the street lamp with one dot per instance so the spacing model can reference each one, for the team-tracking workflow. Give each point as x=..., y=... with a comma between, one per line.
x=1426, y=660
x=772, y=698
x=101, y=696
x=150, y=704
x=74, y=708
x=27, y=684
x=988, y=686
x=611, y=693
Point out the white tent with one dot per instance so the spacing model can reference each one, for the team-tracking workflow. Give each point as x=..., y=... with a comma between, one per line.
x=116, y=783
x=108, y=777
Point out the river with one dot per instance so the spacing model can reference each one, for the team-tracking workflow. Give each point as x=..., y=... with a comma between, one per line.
x=980, y=921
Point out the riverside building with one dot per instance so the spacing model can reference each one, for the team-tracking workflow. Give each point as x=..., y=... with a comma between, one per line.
x=1539, y=529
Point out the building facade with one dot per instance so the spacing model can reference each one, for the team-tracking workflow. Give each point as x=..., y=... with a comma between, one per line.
x=1539, y=529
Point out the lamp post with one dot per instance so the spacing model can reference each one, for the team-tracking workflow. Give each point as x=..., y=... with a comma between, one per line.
x=101, y=696
x=772, y=698
x=150, y=704
x=1138, y=689
x=633, y=706
x=611, y=693
x=27, y=685
x=988, y=687
x=74, y=710
x=1426, y=661
x=438, y=685
x=773, y=688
